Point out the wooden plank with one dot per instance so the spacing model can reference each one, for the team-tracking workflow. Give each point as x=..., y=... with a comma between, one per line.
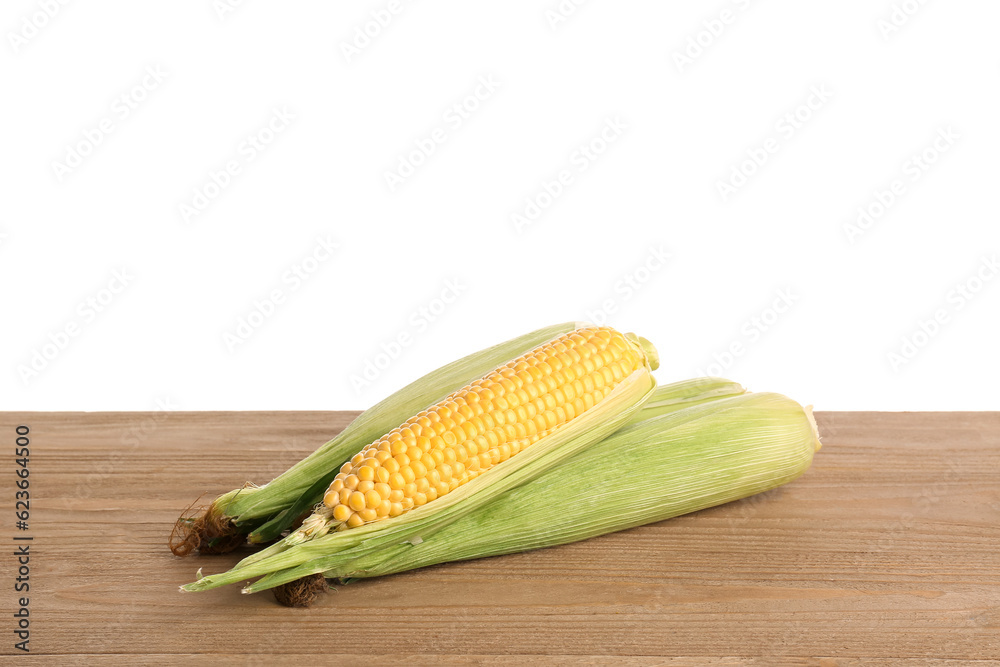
x=887, y=549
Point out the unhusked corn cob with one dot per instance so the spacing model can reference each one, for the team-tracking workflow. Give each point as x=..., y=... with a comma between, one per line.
x=270, y=509
x=677, y=462
x=652, y=470
x=480, y=425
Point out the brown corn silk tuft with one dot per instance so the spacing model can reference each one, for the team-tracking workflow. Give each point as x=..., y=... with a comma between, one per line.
x=301, y=592
x=204, y=531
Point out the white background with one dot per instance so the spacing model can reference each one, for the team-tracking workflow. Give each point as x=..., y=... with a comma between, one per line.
x=891, y=83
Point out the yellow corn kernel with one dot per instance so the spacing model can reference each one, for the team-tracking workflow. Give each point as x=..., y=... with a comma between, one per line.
x=341, y=512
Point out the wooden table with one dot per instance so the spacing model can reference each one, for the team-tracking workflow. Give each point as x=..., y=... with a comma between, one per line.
x=888, y=549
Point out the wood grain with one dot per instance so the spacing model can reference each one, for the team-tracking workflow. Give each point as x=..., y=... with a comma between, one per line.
x=887, y=550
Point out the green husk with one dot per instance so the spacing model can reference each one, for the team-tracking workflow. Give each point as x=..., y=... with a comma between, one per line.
x=614, y=411
x=664, y=466
x=685, y=393
x=265, y=511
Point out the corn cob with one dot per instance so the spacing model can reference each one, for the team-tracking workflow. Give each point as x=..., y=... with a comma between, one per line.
x=479, y=426
x=499, y=431
x=265, y=511
x=680, y=461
